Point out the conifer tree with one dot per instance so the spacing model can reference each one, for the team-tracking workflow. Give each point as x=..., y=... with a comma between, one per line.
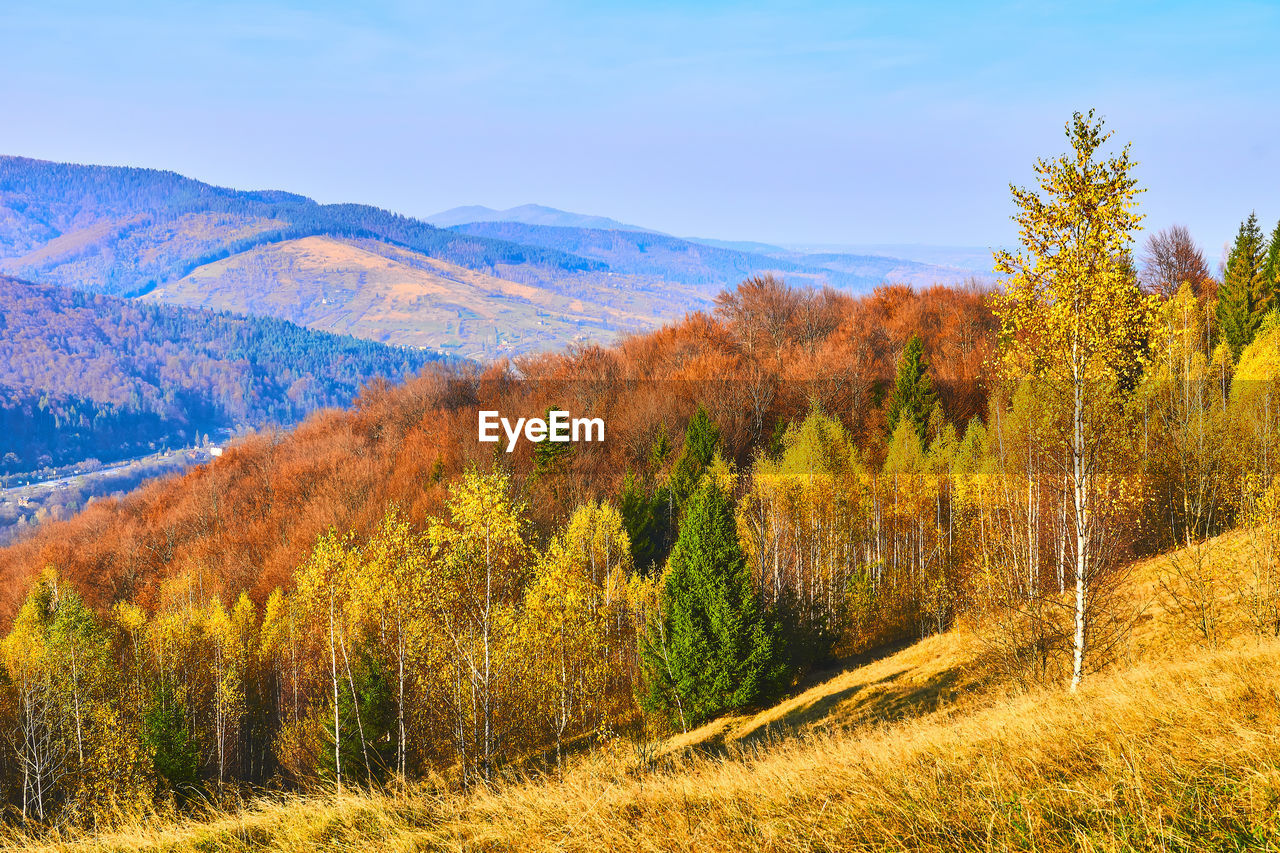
x=644, y=518
x=701, y=441
x=549, y=456
x=712, y=648
x=365, y=705
x=167, y=731
x=1245, y=296
x=913, y=395
x=1271, y=270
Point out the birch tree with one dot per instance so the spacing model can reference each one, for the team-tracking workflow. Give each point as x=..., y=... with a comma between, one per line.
x=1072, y=315
x=484, y=554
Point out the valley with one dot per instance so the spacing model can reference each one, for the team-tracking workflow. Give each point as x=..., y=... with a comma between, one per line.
x=26, y=503
x=88, y=376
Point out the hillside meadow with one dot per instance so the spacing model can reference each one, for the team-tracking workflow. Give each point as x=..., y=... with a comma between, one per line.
x=918, y=749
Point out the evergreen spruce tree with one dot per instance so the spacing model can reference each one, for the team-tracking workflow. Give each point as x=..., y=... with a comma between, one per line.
x=644, y=517
x=701, y=441
x=712, y=648
x=913, y=395
x=649, y=513
x=1245, y=297
x=368, y=713
x=168, y=733
x=1271, y=269
x=550, y=457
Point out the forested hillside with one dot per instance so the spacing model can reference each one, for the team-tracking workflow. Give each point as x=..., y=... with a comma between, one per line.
x=401, y=444
x=92, y=376
x=123, y=230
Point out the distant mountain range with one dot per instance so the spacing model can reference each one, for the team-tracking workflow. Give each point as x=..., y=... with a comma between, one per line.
x=976, y=259
x=529, y=214
x=504, y=283
x=949, y=260
x=348, y=268
x=652, y=255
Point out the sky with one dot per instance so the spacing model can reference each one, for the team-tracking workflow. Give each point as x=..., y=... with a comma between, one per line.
x=800, y=122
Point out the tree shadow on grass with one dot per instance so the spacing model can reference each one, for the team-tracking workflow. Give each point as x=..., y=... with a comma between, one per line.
x=892, y=697
x=835, y=698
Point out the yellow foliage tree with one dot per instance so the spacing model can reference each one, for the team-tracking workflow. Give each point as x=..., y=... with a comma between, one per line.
x=1072, y=316
x=483, y=558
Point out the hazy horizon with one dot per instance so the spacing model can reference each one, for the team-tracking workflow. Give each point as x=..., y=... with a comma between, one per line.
x=824, y=125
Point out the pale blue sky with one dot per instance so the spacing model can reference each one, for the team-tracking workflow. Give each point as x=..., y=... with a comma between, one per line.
x=800, y=122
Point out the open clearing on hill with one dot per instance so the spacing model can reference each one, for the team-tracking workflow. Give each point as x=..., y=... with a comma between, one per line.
x=395, y=296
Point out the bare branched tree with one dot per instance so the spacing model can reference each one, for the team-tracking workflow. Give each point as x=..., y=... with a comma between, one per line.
x=1170, y=258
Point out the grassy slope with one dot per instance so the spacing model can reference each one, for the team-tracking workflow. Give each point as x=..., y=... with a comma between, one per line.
x=1176, y=750
x=380, y=292
x=385, y=293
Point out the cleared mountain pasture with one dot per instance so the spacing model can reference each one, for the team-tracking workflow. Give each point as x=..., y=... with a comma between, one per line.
x=380, y=292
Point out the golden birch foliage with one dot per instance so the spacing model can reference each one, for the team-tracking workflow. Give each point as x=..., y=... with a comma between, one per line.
x=1260, y=361
x=131, y=621
x=1184, y=441
x=485, y=521
x=322, y=587
x=1071, y=309
x=1255, y=404
x=905, y=458
x=227, y=636
x=599, y=540
x=325, y=572
x=227, y=656
x=395, y=582
x=722, y=473
x=596, y=540
x=806, y=524
x=561, y=641
x=82, y=757
x=483, y=564
x=171, y=649
x=482, y=550
x=274, y=633
x=1072, y=316
x=117, y=780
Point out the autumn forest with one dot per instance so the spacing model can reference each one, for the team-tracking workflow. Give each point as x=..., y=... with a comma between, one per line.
x=376, y=599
